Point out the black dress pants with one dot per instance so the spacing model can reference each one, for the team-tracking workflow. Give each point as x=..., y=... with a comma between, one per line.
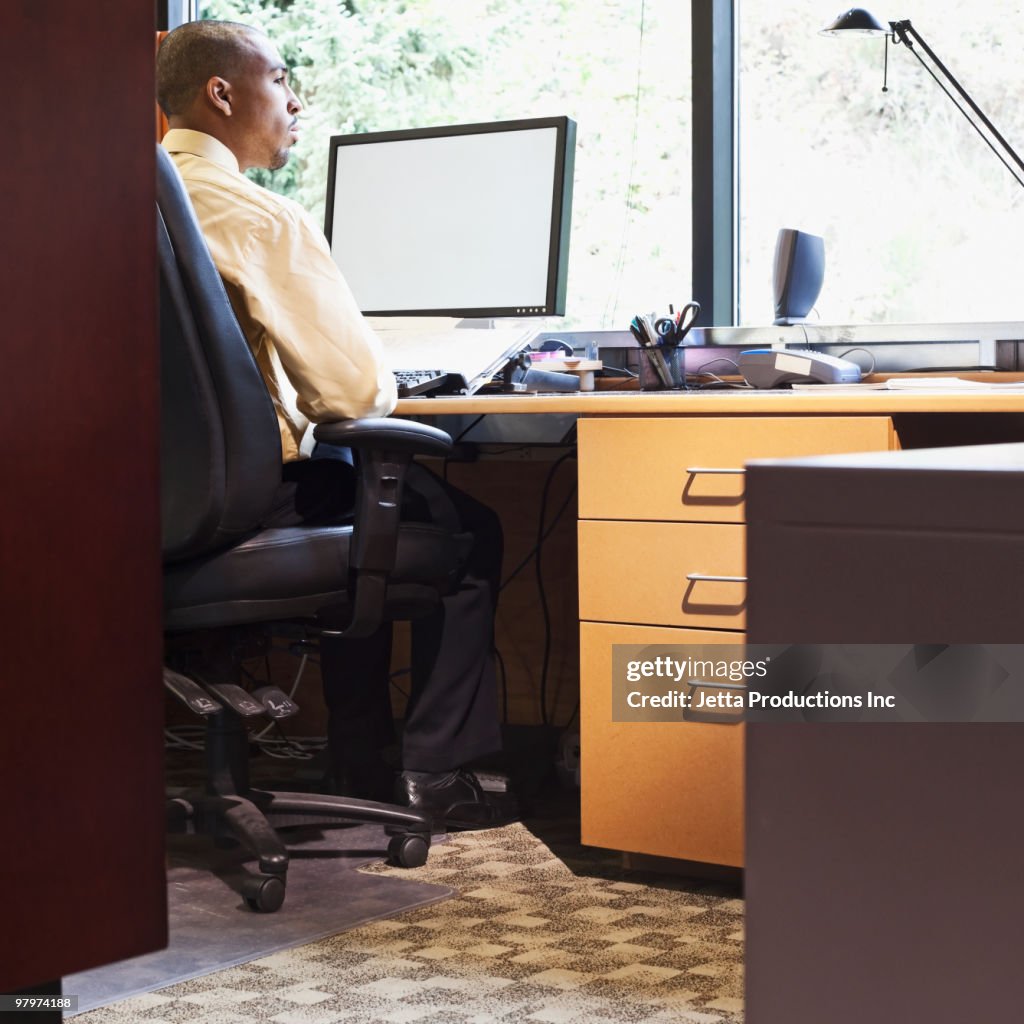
x=452, y=712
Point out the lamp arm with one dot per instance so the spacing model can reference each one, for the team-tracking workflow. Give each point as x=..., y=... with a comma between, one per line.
x=904, y=32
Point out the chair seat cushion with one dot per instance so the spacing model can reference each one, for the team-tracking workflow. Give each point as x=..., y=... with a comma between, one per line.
x=295, y=572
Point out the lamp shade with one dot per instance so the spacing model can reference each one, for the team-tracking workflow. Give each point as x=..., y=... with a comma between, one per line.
x=856, y=19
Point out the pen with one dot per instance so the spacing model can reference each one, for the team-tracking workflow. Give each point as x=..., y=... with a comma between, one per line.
x=647, y=337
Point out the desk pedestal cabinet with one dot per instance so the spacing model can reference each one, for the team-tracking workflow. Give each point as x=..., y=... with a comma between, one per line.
x=661, y=502
x=884, y=878
x=661, y=499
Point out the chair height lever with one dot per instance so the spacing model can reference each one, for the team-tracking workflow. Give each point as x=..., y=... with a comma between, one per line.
x=276, y=702
x=236, y=698
x=189, y=693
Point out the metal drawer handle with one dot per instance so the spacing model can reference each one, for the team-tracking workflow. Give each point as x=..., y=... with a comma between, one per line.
x=705, y=578
x=730, y=714
x=715, y=469
x=714, y=685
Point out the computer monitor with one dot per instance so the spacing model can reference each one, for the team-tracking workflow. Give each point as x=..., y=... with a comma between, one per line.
x=467, y=220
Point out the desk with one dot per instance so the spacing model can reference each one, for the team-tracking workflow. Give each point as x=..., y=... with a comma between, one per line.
x=650, y=514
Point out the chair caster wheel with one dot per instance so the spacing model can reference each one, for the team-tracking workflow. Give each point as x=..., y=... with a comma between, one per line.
x=263, y=894
x=408, y=851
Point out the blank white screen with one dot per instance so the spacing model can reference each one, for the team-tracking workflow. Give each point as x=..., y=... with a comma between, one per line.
x=456, y=222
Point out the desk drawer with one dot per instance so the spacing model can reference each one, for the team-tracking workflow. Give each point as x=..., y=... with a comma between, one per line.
x=662, y=468
x=637, y=572
x=669, y=789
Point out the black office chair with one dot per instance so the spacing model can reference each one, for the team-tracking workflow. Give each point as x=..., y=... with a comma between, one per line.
x=221, y=465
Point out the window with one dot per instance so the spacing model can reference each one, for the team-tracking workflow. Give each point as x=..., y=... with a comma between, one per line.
x=921, y=222
x=619, y=68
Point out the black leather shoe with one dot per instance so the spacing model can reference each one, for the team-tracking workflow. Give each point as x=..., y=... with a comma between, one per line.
x=454, y=800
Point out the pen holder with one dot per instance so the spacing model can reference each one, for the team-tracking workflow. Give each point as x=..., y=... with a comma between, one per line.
x=653, y=376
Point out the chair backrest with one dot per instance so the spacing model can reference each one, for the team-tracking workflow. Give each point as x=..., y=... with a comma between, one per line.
x=220, y=455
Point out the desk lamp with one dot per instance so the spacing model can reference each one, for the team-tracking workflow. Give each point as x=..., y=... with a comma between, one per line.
x=857, y=20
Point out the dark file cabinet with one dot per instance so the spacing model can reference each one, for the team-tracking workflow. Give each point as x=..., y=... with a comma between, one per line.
x=885, y=863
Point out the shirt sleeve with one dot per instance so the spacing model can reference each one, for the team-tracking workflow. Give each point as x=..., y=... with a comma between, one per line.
x=293, y=290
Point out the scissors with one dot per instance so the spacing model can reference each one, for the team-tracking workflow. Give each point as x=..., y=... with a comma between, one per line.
x=673, y=329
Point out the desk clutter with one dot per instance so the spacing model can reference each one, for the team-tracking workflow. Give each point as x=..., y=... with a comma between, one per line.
x=453, y=361
x=464, y=361
x=659, y=338
x=577, y=366
x=662, y=365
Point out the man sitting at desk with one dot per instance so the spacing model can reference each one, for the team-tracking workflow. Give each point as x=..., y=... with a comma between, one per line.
x=225, y=91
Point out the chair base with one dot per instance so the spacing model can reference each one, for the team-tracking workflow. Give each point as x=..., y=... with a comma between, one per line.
x=229, y=809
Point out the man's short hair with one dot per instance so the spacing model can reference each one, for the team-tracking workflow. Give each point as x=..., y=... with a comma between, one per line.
x=193, y=54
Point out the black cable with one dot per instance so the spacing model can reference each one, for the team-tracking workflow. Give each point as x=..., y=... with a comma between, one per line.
x=702, y=369
x=506, y=451
x=463, y=433
x=575, y=712
x=500, y=662
x=407, y=670
x=716, y=382
x=286, y=739
x=547, y=533
x=251, y=677
x=455, y=441
x=539, y=575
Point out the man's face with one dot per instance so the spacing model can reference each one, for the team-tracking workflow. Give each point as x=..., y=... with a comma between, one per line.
x=264, y=108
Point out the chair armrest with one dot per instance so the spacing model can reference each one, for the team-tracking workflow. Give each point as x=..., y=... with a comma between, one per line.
x=385, y=448
x=384, y=433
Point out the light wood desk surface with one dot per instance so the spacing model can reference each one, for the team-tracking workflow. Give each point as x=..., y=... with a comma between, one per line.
x=725, y=403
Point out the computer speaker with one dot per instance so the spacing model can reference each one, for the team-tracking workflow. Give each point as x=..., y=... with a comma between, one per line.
x=798, y=274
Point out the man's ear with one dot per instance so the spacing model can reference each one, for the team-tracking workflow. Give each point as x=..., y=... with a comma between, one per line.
x=218, y=94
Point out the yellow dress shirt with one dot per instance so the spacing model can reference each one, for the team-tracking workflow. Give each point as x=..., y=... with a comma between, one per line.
x=318, y=356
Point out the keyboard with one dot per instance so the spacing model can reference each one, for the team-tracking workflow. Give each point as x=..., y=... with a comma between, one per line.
x=418, y=382
x=469, y=356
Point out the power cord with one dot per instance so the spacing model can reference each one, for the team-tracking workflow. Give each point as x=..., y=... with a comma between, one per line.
x=717, y=381
x=547, y=533
x=500, y=662
x=867, y=352
x=462, y=433
x=392, y=676
x=281, y=746
x=539, y=575
x=572, y=716
x=843, y=355
x=284, y=746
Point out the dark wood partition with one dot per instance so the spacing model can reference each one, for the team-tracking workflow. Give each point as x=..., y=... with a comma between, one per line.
x=81, y=854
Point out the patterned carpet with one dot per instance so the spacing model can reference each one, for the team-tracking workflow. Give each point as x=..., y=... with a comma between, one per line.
x=543, y=931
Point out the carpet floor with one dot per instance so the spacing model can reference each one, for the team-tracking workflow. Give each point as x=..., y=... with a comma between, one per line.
x=541, y=930
x=211, y=928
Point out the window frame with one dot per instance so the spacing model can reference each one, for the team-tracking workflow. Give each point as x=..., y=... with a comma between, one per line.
x=714, y=127
x=715, y=189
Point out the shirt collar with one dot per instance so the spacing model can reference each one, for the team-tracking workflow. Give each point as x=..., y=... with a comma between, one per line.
x=184, y=140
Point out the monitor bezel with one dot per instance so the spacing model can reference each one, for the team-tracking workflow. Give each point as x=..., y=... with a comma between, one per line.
x=561, y=207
